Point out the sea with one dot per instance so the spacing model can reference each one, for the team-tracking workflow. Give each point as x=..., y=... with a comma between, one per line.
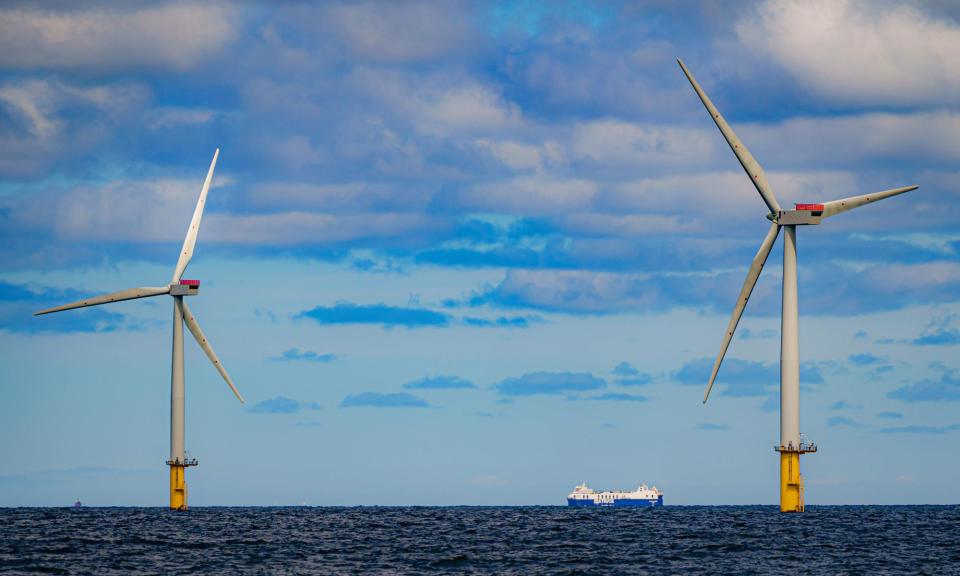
x=868, y=540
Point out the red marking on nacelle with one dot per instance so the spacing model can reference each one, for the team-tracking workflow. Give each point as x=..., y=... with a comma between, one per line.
x=809, y=207
x=190, y=282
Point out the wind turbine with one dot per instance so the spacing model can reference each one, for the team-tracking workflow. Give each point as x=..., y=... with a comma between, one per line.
x=177, y=288
x=791, y=445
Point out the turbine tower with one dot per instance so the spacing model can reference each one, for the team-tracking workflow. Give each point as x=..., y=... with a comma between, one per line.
x=177, y=288
x=791, y=445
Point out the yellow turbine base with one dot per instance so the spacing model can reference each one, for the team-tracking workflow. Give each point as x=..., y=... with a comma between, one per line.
x=178, y=487
x=791, y=482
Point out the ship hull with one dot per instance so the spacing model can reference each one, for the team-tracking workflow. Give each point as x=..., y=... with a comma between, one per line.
x=617, y=503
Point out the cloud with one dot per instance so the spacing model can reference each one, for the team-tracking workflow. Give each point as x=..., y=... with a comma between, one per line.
x=176, y=36
x=549, y=383
x=439, y=383
x=901, y=55
x=630, y=376
x=340, y=198
x=841, y=405
x=399, y=33
x=438, y=105
x=641, y=380
x=278, y=405
x=300, y=229
x=382, y=314
x=941, y=331
x=833, y=289
x=765, y=334
x=84, y=218
x=836, y=421
x=172, y=116
x=742, y=378
x=618, y=397
x=18, y=302
x=528, y=195
x=865, y=359
x=839, y=290
x=520, y=156
x=890, y=415
x=48, y=122
x=295, y=354
x=920, y=429
x=771, y=404
x=711, y=426
x=574, y=292
x=625, y=369
x=499, y=321
x=384, y=400
x=916, y=138
x=612, y=142
x=946, y=388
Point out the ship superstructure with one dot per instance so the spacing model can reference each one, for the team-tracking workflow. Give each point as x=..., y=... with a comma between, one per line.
x=642, y=496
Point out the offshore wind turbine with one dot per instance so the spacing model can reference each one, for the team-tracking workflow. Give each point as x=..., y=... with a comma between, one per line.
x=178, y=289
x=791, y=445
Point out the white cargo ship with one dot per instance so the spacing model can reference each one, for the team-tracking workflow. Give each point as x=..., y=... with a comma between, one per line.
x=642, y=496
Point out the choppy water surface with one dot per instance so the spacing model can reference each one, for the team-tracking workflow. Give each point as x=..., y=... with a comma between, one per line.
x=522, y=540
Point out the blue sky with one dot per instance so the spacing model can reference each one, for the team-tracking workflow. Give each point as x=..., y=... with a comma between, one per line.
x=476, y=252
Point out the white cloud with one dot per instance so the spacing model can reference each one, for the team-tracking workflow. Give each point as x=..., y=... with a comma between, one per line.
x=614, y=142
x=400, y=32
x=440, y=105
x=629, y=225
x=928, y=137
x=577, y=291
x=168, y=117
x=347, y=197
x=121, y=211
x=176, y=36
x=729, y=196
x=859, y=51
x=520, y=156
x=49, y=120
x=37, y=103
x=530, y=195
x=303, y=228
x=153, y=211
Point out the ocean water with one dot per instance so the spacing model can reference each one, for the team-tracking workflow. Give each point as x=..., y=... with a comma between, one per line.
x=479, y=540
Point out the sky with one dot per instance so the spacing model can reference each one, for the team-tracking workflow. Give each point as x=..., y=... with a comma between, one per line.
x=476, y=252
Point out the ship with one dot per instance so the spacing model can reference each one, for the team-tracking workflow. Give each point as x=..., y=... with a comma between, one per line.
x=641, y=497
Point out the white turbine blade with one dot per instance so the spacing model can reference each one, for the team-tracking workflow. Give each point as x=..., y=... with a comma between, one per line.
x=839, y=206
x=190, y=241
x=128, y=294
x=752, y=275
x=749, y=163
x=194, y=327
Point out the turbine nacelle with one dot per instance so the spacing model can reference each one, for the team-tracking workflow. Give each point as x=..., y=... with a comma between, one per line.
x=802, y=215
x=185, y=288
